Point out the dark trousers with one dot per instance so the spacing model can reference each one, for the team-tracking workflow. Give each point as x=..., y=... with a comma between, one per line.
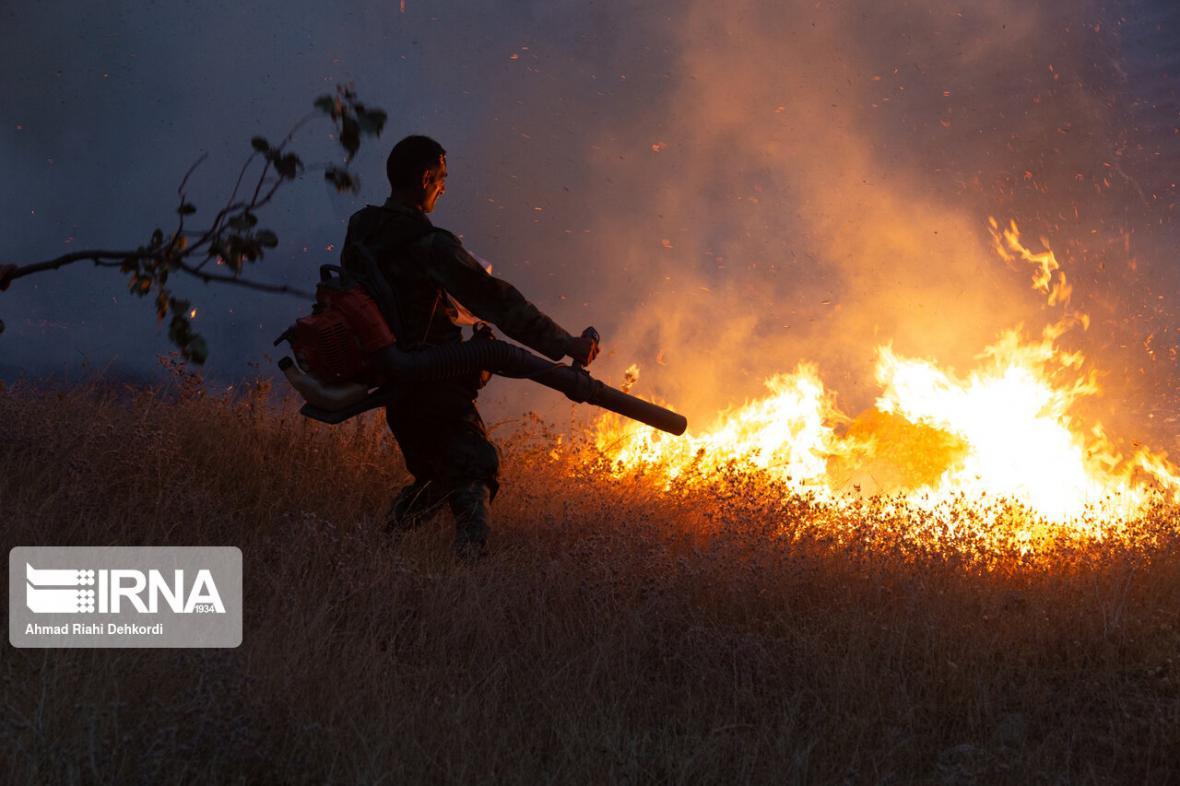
x=447, y=450
x=442, y=435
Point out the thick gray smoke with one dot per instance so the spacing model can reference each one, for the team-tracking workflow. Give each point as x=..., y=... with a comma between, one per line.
x=724, y=189
x=813, y=181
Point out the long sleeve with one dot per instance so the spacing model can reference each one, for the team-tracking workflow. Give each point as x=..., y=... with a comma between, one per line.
x=492, y=299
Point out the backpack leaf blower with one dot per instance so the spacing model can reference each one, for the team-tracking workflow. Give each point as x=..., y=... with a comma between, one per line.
x=346, y=357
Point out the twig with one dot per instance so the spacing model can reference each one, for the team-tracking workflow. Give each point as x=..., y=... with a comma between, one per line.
x=180, y=210
x=10, y=273
x=298, y=125
x=150, y=264
x=258, y=188
x=281, y=289
x=237, y=184
x=191, y=169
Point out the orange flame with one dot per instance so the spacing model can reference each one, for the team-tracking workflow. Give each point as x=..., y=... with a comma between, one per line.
x=935, y=440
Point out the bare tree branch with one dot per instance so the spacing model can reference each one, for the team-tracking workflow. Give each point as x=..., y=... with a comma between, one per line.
x=10, y=273
x=191, y=169
x=233, y=234
x=281, y=289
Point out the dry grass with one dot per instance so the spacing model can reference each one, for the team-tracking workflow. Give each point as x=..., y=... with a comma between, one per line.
x=616, y=634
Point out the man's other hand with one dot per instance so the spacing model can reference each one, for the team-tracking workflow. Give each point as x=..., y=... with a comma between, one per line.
x=582, y=349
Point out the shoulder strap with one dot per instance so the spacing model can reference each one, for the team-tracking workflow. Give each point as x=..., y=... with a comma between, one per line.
x=375, y=282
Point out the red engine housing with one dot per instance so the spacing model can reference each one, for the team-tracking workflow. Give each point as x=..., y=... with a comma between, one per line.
x=335, y=342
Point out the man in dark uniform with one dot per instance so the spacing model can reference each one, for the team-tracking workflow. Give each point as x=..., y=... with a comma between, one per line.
x=437, y=425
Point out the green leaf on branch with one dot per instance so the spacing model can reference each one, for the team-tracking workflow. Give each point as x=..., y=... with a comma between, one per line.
x=243, y=221
x=180, y=332
x=327, y=105
x=350, y=135
x=186, y=209
x=251, y=250
x=157, y=238
x=140, y=284
x=239, y=249
x=342, y=179
x=371, y=121
x=231, y=253
x=266, y=238
x=196, y=350
x=162, y=301
x=287, y=165
x=260, y=144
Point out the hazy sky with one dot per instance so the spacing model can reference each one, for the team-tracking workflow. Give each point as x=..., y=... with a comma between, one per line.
x=723, y=189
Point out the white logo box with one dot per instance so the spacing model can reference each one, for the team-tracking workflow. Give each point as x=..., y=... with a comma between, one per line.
x=135, y=596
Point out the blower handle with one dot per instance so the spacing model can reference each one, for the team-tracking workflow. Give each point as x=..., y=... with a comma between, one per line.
x=591, y=334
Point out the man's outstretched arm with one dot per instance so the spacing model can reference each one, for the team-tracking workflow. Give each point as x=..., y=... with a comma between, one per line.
x=495, y=300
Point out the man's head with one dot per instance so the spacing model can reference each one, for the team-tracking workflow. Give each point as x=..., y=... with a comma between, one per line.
x=417, y=171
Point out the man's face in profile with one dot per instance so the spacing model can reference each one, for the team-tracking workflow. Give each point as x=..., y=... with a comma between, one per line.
x=434, y=183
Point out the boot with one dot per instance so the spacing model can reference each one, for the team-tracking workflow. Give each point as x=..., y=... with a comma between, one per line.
x=412, y=506
x=469, y=504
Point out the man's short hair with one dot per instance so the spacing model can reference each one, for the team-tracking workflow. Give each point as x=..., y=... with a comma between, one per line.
x=410, y=158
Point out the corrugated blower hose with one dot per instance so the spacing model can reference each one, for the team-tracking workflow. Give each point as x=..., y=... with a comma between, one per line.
x=347, y=358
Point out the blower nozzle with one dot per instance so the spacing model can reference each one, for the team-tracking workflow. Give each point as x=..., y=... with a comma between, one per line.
x=337, y=403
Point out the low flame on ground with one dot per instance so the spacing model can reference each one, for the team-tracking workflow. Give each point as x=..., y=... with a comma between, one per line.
x=998, y=441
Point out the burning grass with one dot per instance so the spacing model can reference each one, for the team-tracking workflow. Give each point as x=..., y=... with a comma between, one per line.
x=625, y=629
x=992, y=454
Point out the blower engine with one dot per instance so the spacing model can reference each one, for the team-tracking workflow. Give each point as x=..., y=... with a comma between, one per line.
x=334, y=347
x=346, y=355
x=344, y=330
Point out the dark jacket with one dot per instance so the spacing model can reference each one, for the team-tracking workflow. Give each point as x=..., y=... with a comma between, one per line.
x=424, y=263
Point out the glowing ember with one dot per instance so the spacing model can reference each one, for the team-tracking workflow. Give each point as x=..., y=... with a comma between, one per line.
x=996, y=442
